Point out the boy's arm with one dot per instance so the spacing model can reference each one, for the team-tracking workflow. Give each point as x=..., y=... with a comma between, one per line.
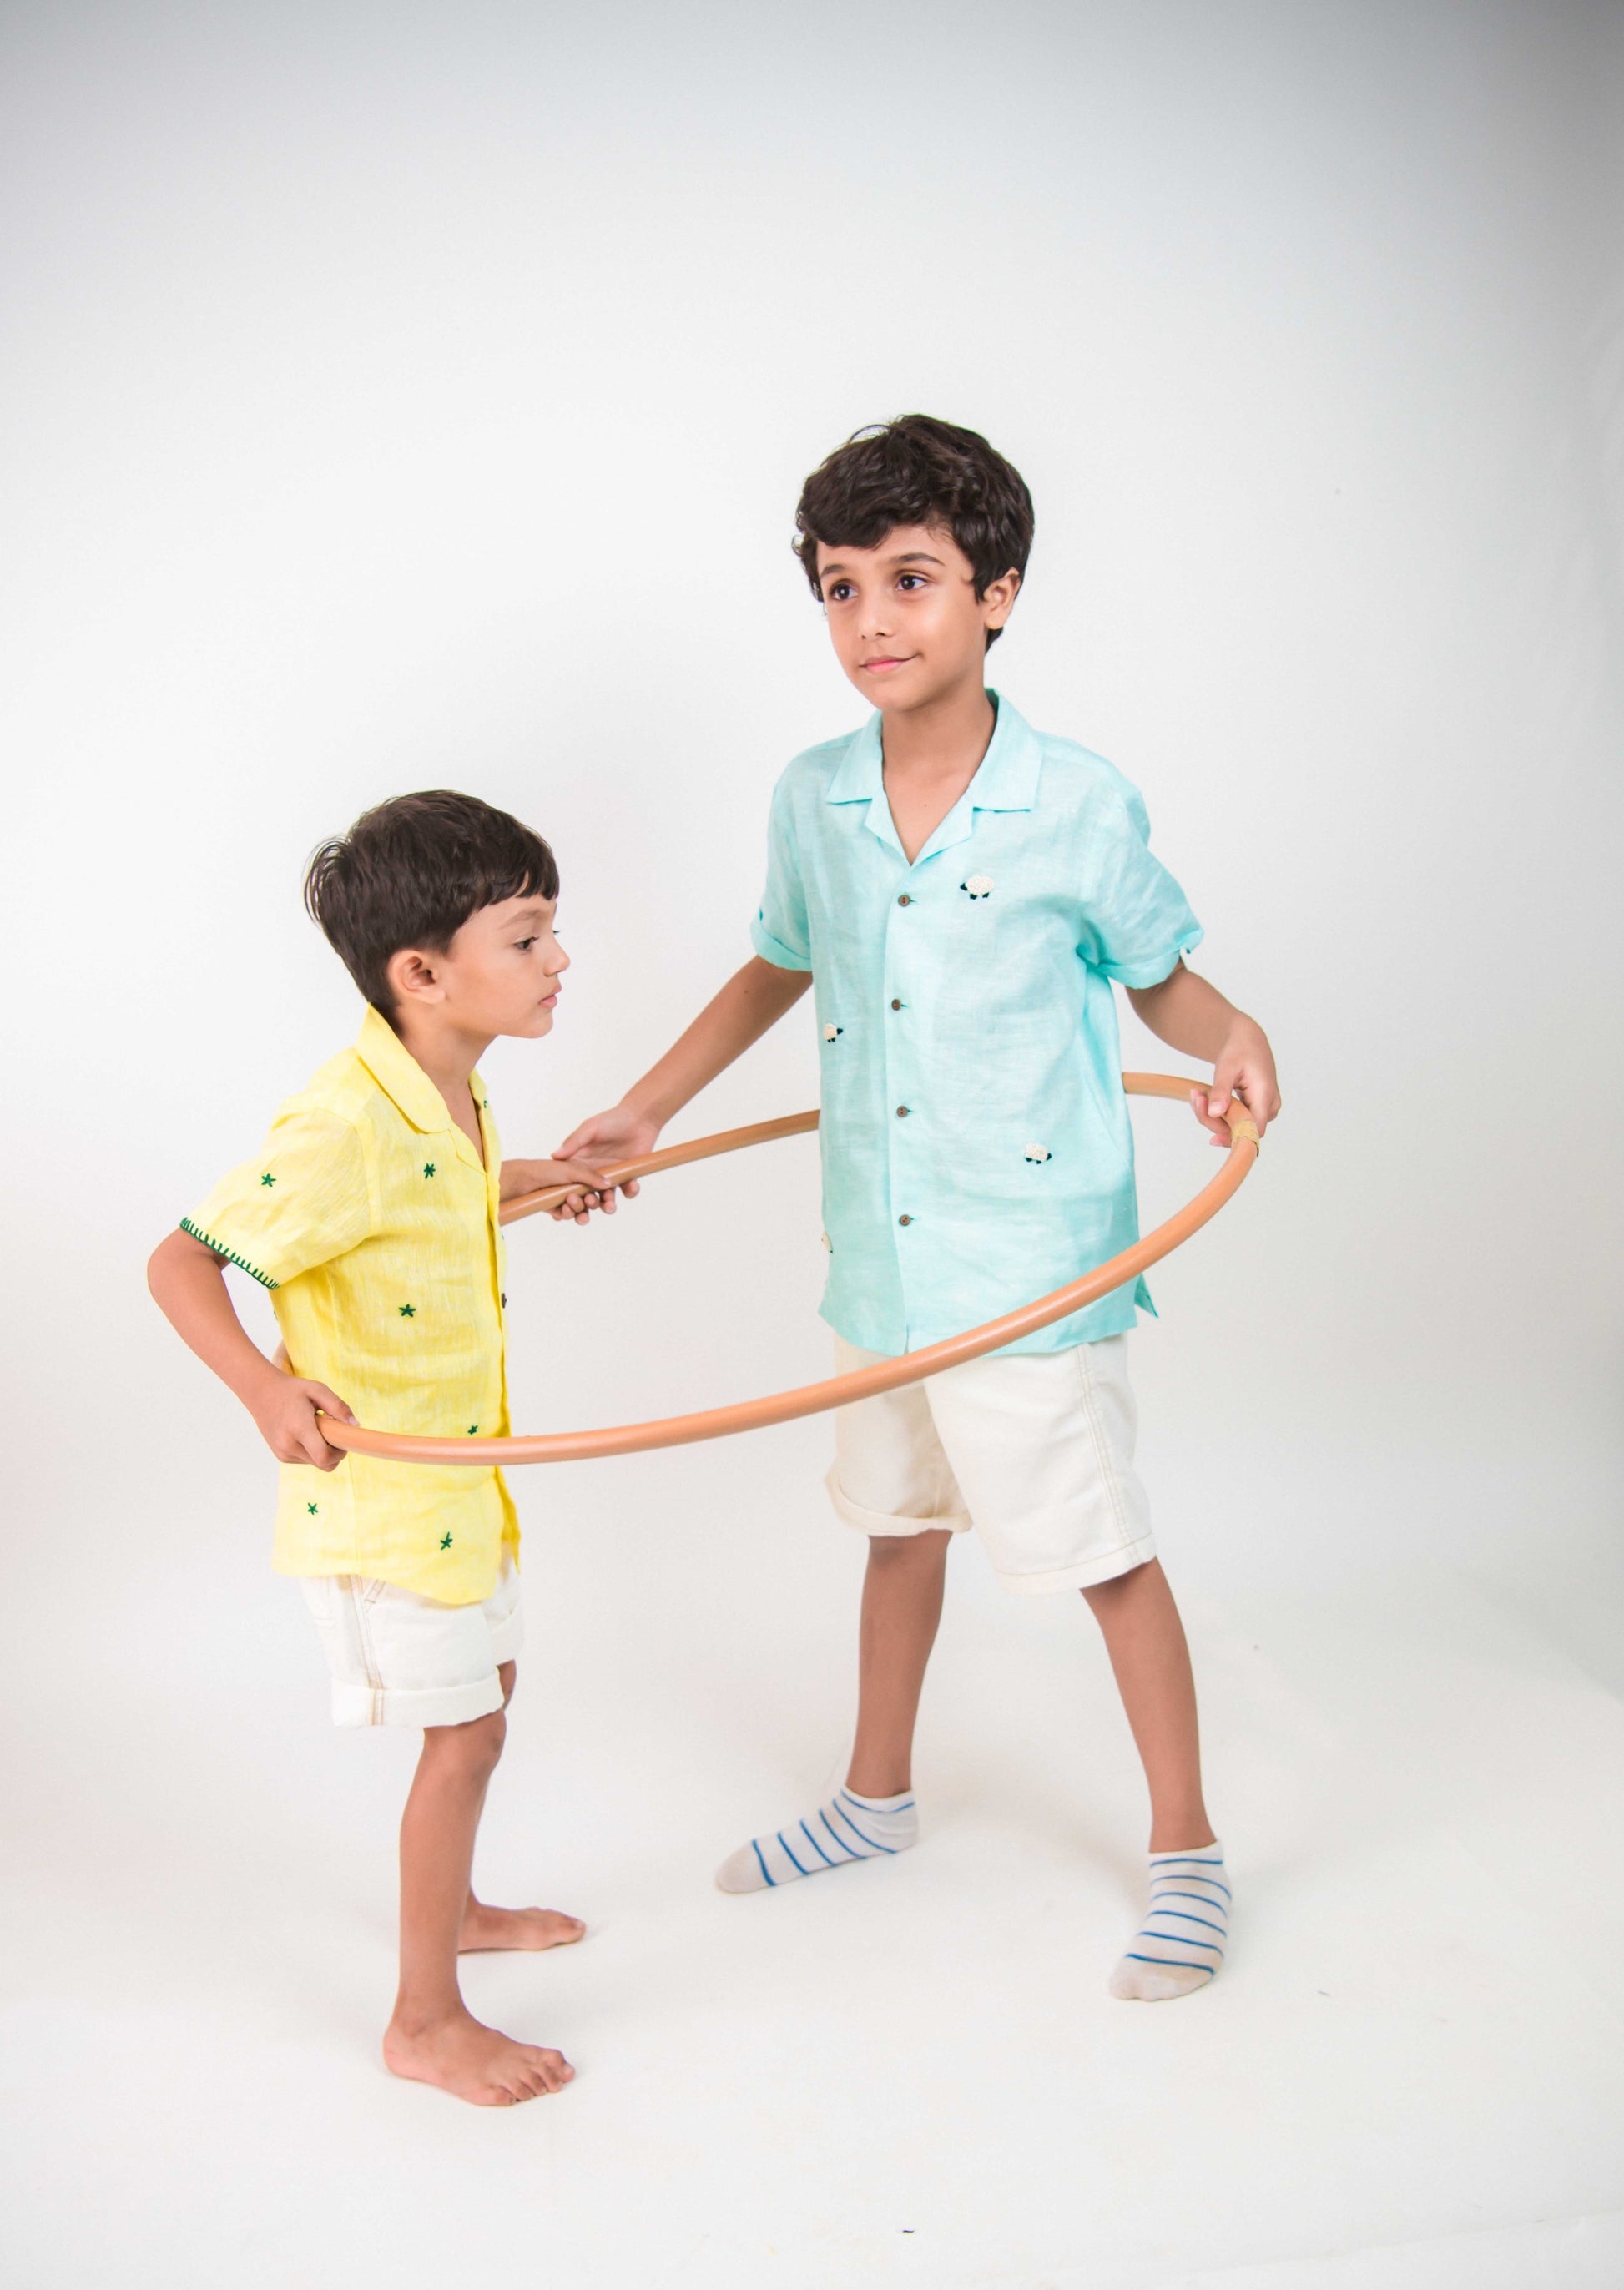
x=754, y=999
x=187, y=1284
x=1189, y=1014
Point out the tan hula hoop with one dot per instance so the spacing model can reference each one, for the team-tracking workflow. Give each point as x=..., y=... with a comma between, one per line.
x=835, y=1390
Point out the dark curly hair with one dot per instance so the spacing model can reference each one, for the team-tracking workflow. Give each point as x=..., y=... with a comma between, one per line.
x=411, y=871
x=916, y=470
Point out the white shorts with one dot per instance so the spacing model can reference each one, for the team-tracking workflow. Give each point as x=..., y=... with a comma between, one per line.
x=397, y=1659
x=1034, y=1449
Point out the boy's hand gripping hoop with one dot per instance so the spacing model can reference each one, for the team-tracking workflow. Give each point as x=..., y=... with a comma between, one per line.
x=836, y=1390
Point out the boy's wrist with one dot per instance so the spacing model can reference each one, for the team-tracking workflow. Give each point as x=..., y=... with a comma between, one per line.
x=257, y=1382
x=1244, y=1034
x=646, y=1106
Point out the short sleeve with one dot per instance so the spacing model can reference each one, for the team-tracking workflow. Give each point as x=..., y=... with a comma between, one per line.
x=302, y=1201
x=1136, y=921
x=780, y=932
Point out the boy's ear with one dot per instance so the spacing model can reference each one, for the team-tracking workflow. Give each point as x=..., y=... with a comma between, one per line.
x=998, y=600
x=414, y=976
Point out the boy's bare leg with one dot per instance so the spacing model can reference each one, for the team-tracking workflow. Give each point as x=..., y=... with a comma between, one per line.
x=902, y=1593
x=874, y=1815
x=1145, y=1642
x=432, y=2036
x=486, y=1927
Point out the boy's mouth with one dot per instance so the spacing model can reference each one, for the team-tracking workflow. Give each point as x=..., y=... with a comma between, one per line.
x=884, y=663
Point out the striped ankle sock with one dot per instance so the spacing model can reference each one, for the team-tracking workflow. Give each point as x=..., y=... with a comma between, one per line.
x=847, y=1827
x=1181, y=1944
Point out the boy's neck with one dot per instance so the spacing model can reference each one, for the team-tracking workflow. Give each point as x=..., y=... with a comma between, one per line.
x=448, y=1056
x=944, y=737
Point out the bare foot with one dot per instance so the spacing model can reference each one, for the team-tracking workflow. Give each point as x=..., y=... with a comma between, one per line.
x=484, y=1927
x=473, y=2061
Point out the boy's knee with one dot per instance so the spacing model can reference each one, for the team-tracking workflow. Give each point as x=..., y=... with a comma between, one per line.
x=921, y=1549
x=477, y=1744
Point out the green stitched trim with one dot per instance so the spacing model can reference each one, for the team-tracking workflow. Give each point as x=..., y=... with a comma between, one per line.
x=230, y=1255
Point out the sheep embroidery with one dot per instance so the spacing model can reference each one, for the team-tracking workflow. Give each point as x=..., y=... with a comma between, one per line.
x=976, y=886
x=833, y=1033
x=1038, y=1153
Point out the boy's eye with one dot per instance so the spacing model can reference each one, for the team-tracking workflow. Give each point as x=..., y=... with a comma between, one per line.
x=522, y=945
x=911, y=580
x=840, y=591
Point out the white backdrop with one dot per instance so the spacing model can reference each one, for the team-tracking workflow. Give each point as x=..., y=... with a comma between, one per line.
x=410, y=396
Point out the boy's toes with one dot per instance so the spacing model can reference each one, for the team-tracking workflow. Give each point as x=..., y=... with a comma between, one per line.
x=484, y=1927
x=548, y=2070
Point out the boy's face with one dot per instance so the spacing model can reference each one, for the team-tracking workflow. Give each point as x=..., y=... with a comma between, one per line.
x=500, y=974
x=905, y=619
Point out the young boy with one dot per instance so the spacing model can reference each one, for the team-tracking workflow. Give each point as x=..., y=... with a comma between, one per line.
x=963, y=891
x=371, y=1214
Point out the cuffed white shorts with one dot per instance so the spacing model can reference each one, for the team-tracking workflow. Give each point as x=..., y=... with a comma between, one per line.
x=397, y=1659
x=1033, y=1449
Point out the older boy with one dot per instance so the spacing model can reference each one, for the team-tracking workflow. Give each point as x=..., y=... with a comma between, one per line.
x=964, y=893
x=371, y=1214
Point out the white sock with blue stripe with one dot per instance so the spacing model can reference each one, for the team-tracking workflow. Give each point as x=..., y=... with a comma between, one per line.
x=847, y=1827
x=1181, y=1944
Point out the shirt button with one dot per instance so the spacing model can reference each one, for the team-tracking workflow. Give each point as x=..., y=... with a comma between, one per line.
x=895, y=1003
x=905, y=1220
x=904, y=901
x=903, y=1112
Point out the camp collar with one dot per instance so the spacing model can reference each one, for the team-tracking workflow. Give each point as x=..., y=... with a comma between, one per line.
x=403, y=1082
x=1006, y=779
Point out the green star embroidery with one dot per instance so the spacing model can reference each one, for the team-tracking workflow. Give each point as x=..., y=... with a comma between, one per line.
x=408, y=1311
x=312, y=1509
x=472, y=1429
x=428, y=1168
x=445, y=1543
x=487, y=1103
x=268, y=1179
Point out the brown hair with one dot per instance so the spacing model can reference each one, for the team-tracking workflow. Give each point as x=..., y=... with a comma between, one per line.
x=916, y=470
x=411, y=871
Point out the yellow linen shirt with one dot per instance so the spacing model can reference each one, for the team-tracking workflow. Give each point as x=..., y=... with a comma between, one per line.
x=369, y=1217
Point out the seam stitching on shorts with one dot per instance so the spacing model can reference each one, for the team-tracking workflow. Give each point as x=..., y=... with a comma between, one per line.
x=369, y=1657
x=943, y=1472
x=1107, y=1467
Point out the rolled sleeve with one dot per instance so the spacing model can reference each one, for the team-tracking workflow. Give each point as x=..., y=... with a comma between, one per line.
x=1138, y=923
x=304, y=1199
x=781, y=933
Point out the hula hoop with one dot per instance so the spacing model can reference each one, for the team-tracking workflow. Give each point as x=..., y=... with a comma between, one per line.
x=836, y=1390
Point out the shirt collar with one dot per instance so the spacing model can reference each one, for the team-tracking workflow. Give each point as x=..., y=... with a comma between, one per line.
x=1006, y=779
x=399, y=1076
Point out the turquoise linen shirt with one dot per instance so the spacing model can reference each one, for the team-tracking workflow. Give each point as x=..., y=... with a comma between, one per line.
x=977, y=1151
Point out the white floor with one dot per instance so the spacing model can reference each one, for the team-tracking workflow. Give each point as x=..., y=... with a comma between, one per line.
x=1410, y=2077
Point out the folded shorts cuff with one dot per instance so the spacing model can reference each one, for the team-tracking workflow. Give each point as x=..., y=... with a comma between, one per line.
x=1086, y=1572
x=880, y=1522
x=507, y=1637
x=354, y=1704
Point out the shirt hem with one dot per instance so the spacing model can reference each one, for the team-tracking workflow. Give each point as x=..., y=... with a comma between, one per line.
x=1061, y=1336
x=371, y=1569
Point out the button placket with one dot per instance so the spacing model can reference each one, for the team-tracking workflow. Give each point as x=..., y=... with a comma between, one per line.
x=902, y=1082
